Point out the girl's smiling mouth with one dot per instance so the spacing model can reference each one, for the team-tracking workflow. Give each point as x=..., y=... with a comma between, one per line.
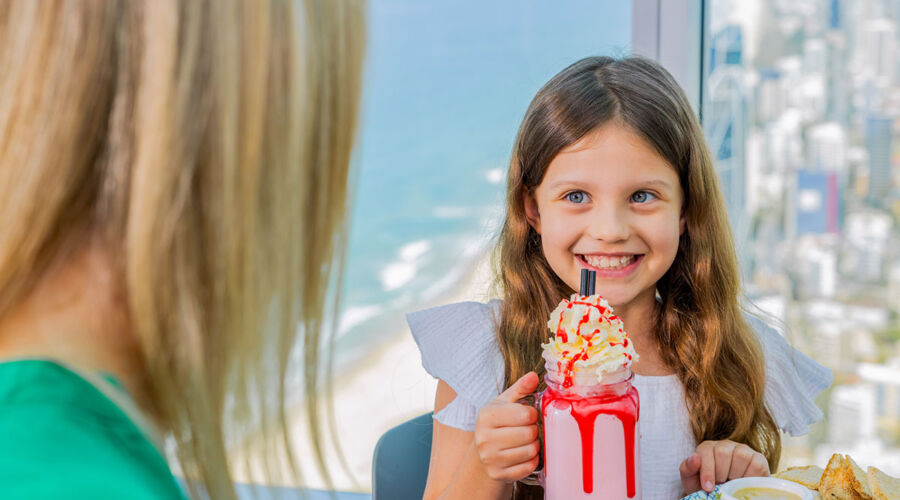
x=610, y=265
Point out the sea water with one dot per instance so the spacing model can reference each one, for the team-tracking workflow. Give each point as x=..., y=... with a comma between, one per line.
x=446, y=85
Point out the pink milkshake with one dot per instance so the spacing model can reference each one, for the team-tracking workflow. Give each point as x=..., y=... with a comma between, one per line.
x=590, y=409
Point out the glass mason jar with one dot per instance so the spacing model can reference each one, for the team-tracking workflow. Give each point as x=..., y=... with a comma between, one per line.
x=591, y=437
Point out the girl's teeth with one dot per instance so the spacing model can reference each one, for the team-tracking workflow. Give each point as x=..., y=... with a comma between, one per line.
x=609, y=262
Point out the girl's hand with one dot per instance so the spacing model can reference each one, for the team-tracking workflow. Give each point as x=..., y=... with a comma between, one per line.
x=506, y=433
x=715, y=462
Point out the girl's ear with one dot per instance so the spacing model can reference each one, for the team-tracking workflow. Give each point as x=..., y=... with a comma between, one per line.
x=531, y=210
x=681, y=225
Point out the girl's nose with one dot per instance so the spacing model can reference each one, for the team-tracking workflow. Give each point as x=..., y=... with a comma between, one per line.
x=608, y=225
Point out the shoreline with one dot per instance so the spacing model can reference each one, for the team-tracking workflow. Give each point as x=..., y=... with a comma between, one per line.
x=383, y=389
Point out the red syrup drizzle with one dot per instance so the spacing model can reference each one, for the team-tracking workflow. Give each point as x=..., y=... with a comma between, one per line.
x=585, y=410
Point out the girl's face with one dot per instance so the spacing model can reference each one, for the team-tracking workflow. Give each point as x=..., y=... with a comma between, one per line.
x=609, y=203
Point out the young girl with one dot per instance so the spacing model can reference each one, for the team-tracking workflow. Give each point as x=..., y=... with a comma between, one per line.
x=610, y=172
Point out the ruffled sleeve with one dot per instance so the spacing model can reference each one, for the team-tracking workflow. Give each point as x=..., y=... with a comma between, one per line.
x=793, y=380
x=458, y=345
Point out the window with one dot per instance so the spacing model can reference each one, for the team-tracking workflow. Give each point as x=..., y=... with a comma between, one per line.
x=800, y=101
x=446, y=86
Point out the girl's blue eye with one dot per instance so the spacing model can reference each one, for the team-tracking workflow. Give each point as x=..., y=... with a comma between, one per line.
x=642, y=197
x=577, y=197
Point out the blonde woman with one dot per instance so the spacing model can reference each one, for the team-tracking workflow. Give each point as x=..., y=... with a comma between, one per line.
x=172, y=187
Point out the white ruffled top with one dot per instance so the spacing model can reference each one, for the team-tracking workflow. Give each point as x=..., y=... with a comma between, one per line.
x=459, y=346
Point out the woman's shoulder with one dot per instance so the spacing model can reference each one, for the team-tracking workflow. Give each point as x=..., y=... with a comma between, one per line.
x=61, y=438
x=793, y=379
x=458, y=344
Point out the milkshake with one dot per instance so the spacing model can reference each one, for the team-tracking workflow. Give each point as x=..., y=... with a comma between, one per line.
x=589, y=409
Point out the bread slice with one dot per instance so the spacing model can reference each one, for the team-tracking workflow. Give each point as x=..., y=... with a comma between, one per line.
x=837, y=480
x=808, y=476
x=884, y=487
x=831, y=484
x=858, y=480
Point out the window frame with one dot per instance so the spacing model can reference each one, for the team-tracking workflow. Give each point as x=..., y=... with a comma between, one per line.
x=671, y=32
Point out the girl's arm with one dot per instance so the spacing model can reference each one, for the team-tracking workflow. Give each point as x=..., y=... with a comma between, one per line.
x=455, y=470
x=507, y=440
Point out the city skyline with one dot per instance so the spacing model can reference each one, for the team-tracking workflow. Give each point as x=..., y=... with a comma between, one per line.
x=801, y=108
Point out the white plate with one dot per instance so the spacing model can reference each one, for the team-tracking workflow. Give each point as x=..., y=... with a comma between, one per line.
x=728, y=489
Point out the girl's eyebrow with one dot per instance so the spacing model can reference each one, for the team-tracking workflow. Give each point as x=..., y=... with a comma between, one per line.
x=655, y=183
x=659, y=183
x=568, y=183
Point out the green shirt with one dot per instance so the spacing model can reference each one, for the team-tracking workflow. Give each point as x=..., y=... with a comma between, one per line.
x=61, y=437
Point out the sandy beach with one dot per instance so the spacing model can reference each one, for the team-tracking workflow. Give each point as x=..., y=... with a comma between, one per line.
x=389, y=388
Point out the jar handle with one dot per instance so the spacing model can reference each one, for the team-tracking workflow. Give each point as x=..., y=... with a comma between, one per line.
x=536, y=478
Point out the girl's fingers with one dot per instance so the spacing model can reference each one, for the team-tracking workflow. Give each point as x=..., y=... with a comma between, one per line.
x=758, y=466
x=690, y=466
x=721, y=461
x=498, y=414
x=740, y=460
x=723, y=452
x=523, y=387
x=514, y=437
x=707, y=466
x=519, y=471
x=690, y=470
x=515, y=456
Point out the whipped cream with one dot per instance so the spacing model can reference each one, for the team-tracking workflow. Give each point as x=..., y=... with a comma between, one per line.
x=588, y=340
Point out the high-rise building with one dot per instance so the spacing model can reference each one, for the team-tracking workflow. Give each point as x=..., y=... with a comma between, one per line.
x=886, y=380
x=827, y=347
x=878, y=47
x=834, y=14
x=866, y=237
x=815, y=56
x=769, y=99
x=790, y=69
x=814, y=268
x=725, y=121
x=851, y=414
x=827, y=146
x=819, y=202
x=815, y=84
x=786, y=152
x=726, y=48
x=837, y=85
x=894, y=287
x=879, y=135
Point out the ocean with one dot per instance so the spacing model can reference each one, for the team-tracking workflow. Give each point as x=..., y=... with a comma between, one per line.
x=446, y=85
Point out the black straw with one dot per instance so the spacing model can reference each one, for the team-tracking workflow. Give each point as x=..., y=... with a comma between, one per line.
x=585, y=281
x=592, y=282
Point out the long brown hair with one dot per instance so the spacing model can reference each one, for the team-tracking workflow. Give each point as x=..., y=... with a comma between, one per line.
x=206, y=145
x=700, y=328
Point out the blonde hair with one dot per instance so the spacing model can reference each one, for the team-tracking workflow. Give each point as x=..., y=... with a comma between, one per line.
x=701, y=332
x=206, y=144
